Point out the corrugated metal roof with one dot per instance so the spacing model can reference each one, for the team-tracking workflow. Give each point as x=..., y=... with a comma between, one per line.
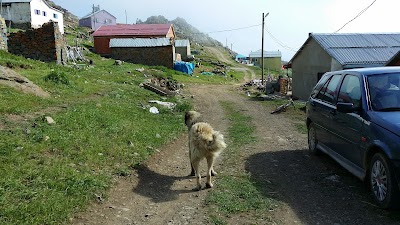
x=349, y=49
x=139, y=42
x=15, y=1
x=267, y=54
x=133, y=30
x=28, y=1
x=182, y=43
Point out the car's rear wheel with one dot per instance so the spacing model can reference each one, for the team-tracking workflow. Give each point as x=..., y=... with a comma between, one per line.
x=312, y=139
x=383, y=183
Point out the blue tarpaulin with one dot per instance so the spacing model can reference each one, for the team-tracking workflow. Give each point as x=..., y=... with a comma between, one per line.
x=185, y=67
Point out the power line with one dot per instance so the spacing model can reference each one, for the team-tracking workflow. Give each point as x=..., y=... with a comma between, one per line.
x=359, y=14
x=280, y=42
x=241, y=28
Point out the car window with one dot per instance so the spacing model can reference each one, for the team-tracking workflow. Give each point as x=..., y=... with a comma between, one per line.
x=384, y=91
x=350, y=91
x=318, y=86
x=327, y=92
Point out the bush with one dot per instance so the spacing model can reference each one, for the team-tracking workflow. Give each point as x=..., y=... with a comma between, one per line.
x=57, y=77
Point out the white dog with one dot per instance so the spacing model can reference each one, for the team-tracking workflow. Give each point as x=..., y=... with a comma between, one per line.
x=204, y=142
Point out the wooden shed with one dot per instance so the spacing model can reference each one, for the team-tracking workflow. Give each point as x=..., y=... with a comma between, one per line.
x=104, y=34
x=146, y=51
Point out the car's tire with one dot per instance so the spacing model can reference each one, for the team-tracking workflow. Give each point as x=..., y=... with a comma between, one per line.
x=382, y=182
x=312, y=139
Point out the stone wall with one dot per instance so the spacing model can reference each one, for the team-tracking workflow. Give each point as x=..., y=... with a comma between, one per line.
x=46, y=43
x=3, y=34
x=151, y=56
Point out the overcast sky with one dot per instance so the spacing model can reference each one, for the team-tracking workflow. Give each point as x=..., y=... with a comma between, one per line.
x=286, y=27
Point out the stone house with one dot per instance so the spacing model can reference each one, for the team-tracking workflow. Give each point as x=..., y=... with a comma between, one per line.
x=97, y=18
x=25, y=14
x=272, y=59
x=182, y=47
x=146, y=51
x=331, y=52
x=104, y=34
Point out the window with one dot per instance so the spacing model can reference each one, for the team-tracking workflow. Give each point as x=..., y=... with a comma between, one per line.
x=327, y=92
x=108, y=21
x=350, y=91
x=317, y=87
x=55, y=16
x=37, y=12
x=44, y=13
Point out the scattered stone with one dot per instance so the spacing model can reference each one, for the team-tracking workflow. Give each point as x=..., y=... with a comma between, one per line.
x=154, y=110
x=333, y=178
x=118, y=62
x=49, y=120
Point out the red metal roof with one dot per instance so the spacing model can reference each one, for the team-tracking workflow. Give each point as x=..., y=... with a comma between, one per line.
x=133, y=30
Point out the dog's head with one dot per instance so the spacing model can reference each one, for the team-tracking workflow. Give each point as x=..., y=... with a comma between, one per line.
x=192, y=117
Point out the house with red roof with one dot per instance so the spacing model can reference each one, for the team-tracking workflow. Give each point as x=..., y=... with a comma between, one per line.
x=105, y=33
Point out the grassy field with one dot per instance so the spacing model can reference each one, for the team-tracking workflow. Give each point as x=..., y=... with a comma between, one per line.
x=50, y=171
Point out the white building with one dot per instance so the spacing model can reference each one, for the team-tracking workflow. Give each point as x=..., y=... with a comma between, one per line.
x=33, y=13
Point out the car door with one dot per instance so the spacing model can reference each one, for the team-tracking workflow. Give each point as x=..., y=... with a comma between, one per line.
x=346, y=127
x=321, y=108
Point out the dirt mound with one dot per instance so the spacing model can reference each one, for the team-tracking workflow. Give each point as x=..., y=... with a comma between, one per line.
x=12, y=79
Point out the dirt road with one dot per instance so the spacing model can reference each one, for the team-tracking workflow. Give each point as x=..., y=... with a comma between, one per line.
x=310, y=189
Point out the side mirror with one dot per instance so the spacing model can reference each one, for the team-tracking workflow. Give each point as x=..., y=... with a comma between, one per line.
x=346, y=107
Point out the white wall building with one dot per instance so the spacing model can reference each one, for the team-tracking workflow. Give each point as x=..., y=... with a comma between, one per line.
x=33, y=12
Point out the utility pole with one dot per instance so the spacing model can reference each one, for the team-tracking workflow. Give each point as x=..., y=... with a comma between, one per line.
x=262, y=49
x=126, y=17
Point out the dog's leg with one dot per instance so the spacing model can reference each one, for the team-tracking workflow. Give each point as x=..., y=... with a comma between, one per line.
x=192, y=172
x=210, y=163
x=213, y=173
x=196, y=164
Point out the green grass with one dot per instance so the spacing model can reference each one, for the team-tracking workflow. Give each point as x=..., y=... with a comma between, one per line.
x=237, y=192
x=52, y=171
x=49, y=172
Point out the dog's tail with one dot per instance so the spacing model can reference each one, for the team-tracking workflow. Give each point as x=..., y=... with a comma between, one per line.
x=218, y=144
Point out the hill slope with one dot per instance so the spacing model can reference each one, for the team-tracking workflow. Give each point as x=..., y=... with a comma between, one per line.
x=184, y=30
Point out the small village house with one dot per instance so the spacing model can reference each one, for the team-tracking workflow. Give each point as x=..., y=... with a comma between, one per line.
x=104, y=34
x=25, y=14
x=272, y=59
x=182, y=47
x=331, y=52
x=146, y=51
x=97, y=18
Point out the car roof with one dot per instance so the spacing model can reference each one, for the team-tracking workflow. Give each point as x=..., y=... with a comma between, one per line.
x=373, y=70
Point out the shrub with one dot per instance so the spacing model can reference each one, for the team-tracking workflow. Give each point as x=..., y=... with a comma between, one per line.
x=57, y=77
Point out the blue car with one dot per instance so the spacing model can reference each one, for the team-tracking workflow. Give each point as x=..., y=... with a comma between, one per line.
x=354, y=117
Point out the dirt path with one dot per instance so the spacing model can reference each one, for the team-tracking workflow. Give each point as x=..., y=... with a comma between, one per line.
x=311, y=190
